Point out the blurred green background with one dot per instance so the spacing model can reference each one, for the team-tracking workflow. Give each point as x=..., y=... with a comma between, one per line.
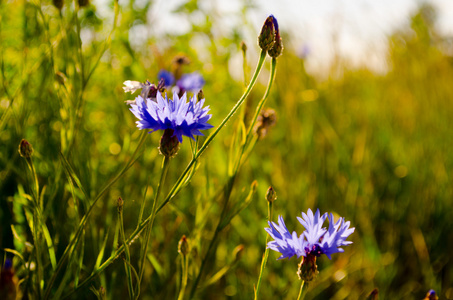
x=374, y=148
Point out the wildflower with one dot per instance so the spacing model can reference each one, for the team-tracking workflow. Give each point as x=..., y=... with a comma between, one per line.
x=168, y=77
x=312, y=243
x=190, y=82
x=184, y=118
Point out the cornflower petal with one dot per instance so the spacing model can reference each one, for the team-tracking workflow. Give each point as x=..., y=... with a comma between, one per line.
x=184, y=118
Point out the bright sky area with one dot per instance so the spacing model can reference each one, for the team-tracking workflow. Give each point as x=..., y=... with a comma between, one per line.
x=356, y=29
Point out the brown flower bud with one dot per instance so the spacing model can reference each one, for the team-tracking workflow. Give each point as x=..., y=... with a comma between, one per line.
x=25, y=149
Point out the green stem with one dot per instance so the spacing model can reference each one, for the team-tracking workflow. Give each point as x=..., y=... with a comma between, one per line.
x=230, y=183
x=301, y=290
x=84, y=220
x=174, y=190
x=163, y=174
x=184, y=267
x=181, y=178
x=259, y=107
x=127, y=263
x=266, y=253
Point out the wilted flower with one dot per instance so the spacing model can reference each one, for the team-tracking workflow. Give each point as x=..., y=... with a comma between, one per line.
x=312, y=243
x=184, y=118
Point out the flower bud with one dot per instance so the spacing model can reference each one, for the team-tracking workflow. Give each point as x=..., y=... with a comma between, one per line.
x=431, y=295
x=267, y=35
x=169, y=144
x=119, y=204
x=25, y=149
x=307, y=268
x=243, y=47
x=183, y=246
x=271, y=194
x=277, y=47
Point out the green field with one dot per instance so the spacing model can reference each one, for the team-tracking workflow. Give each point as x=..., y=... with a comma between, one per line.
x=374, y=148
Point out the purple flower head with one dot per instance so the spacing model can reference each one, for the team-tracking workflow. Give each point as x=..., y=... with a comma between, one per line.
x=184, y=118
x=315, y=240
x=191, y=82
x=168, y=77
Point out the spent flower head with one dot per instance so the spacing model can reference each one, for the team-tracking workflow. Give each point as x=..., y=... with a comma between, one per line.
x=184, y=118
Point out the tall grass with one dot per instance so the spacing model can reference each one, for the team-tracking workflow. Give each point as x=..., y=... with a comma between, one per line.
x=374, y=148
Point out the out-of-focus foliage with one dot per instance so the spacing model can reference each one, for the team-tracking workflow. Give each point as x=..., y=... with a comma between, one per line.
x=373, y=148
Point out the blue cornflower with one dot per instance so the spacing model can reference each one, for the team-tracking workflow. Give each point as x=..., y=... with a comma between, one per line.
x=312, y=243
x=168, y=77
x=315, y=240
x=191, y=82
x=184, y=118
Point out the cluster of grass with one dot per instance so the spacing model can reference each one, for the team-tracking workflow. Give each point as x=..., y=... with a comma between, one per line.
x=374, y=148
